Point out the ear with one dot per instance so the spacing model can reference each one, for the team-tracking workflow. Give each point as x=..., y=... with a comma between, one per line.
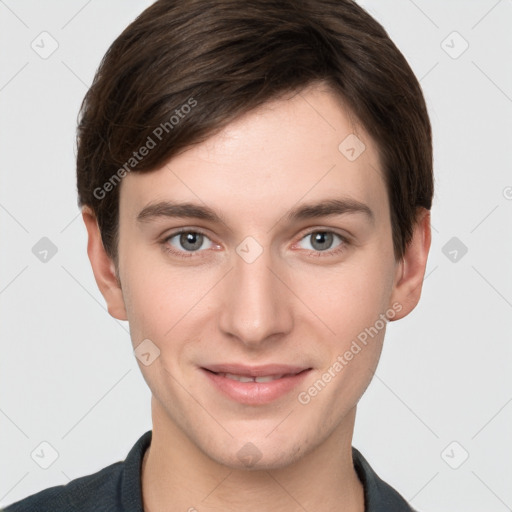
x=410, y=270
x=103, y=267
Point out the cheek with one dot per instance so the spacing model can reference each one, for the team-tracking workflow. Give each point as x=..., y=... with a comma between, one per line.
x=348, y=298
x=164, y=301
x=357, y=311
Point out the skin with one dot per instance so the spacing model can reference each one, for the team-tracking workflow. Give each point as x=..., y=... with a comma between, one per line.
x=294, y=304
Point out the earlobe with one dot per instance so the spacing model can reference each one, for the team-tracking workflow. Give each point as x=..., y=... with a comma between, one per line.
x=103, y=267
x=411, y=269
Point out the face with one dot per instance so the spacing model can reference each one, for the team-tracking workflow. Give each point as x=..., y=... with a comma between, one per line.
x=281, y=267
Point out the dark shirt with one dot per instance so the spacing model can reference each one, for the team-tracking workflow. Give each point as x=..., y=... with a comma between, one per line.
x=118, y=488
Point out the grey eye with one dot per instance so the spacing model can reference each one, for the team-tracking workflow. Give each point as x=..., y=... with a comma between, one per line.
x=189, y=241
x=320, y=240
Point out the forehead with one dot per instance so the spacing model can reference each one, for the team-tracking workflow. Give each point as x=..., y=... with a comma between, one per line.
x=297, y=149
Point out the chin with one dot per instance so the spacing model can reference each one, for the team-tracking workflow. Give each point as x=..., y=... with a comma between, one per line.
x=256, y=452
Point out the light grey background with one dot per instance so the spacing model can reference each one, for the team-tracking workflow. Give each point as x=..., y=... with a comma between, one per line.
x=68, y=376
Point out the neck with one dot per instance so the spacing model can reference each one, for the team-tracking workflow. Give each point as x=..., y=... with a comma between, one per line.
x=177, y=476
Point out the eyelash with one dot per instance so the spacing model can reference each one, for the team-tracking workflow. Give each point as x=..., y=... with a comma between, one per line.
x=316, y=254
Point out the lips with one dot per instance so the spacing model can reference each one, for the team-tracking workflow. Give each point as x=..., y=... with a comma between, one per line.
x=246, y=378
x=254, y=385
x=266, y=370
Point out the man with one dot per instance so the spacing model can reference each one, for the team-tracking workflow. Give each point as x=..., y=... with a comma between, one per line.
x=255, y=179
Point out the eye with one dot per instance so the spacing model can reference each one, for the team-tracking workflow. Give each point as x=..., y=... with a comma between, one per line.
x=187, y=241
x=322, y=241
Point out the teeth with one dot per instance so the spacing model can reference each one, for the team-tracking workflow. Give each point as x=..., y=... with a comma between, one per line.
x=239, y=378
x=244, y=378
x=267, y=379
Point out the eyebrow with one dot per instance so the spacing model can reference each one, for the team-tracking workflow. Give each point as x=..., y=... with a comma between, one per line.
x=330, y=207
x=325, y=208
x=171, y=209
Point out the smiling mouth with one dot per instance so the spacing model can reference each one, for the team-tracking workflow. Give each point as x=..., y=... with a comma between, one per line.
x=247, y=378
x=255, y=385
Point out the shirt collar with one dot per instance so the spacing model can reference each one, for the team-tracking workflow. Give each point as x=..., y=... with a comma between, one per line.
x=378, y=495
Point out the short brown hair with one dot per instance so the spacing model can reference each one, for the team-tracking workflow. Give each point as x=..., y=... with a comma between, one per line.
x=225, y=58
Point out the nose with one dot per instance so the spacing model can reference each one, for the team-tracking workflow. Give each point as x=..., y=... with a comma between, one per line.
x=256, y=302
